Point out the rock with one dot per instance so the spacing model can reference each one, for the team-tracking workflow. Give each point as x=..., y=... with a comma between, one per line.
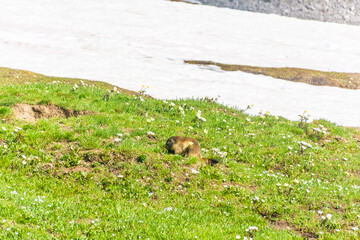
x=339, y=11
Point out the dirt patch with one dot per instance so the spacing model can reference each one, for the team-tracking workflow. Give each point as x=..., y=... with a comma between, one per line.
x=341, y=139
x=78, y=168
x=64, y=146
x=284, y=225
x=96, y=155
x=354, y=172
x=47, y=166
x=151, y=138
x=281, y=225
x=59, y=171
x=88, y=159
x=313, y=77
x=356, y=135
x=31, y=113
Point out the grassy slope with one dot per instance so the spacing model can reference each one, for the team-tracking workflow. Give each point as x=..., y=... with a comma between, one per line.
x=313, y=77
x=71, y=178
x=10, y=76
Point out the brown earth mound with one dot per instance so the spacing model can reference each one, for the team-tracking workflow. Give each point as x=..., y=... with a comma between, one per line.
x=31, y=113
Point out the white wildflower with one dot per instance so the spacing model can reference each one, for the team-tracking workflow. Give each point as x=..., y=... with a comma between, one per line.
x=194, y=171
x=168, y=209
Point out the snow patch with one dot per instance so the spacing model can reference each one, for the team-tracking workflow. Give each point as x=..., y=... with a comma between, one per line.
x=144, y=42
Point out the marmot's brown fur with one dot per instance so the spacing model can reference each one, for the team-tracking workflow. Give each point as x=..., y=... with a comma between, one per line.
x=186, y=146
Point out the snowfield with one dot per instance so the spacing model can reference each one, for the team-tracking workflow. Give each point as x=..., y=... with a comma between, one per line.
x=131, y=43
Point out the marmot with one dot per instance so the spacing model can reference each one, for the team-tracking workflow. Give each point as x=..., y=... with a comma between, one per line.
x=186, y=146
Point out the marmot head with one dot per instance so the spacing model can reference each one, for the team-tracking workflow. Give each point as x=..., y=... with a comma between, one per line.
x=169, y=144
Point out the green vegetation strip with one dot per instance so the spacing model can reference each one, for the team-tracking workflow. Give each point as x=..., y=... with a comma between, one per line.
x=313, y=77
x=11, y=76
x=105, y=174
x=183, y=1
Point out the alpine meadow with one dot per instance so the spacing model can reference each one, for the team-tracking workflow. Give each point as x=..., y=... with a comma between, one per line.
x=87, y=160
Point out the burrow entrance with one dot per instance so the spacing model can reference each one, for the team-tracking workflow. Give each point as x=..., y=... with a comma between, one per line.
x=32, y=113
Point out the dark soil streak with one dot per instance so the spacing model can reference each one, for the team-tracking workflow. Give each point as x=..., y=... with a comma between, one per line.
x=312, y=77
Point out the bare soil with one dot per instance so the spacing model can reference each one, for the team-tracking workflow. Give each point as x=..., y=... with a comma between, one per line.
x=31, y=113
x=284, y=225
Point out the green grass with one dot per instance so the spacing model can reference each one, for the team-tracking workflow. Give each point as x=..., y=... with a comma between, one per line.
x=77, y=178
